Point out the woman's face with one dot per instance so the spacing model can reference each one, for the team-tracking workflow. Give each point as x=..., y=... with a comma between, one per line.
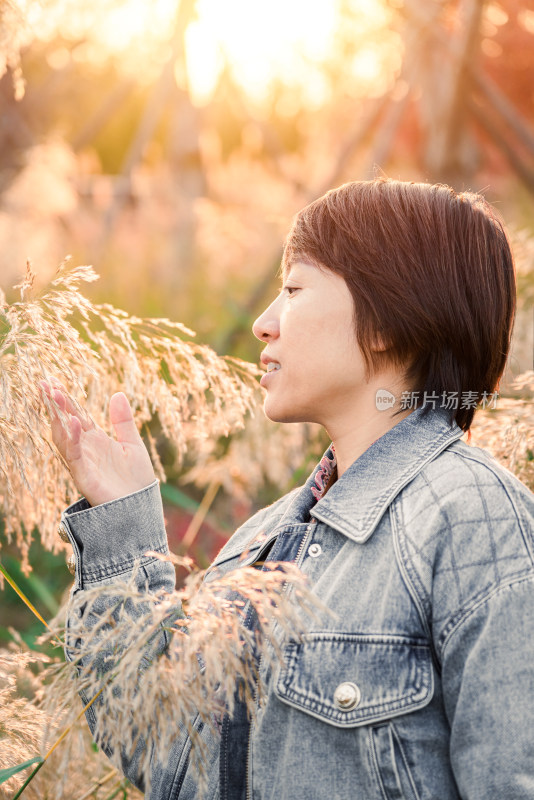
x=316, y=371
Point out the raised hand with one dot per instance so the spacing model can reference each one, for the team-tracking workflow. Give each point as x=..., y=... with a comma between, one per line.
x=102, y=468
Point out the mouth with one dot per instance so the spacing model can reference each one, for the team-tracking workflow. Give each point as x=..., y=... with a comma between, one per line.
x=270, y=368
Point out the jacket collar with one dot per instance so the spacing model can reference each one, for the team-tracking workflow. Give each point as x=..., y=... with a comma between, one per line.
x=357, y=501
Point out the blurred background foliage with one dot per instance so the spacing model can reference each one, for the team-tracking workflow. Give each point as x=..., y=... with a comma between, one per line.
x=170, y=142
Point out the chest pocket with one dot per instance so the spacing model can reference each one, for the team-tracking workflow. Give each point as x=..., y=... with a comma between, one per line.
x=349, y=679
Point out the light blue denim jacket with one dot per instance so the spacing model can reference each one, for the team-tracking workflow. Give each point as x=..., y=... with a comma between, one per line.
x=420, y=686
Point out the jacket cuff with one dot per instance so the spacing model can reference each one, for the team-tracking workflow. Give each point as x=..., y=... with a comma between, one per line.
x=109, y=539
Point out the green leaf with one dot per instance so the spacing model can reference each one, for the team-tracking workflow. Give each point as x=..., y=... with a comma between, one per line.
x=6, y=774
x=33, y=582
x=173, y=495
x=22, y=596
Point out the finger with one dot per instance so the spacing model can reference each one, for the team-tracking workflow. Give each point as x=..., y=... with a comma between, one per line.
x=47, y=392
x=66, y=429
x=60, y=425
x=57, y=424
x=73, y=450
x=122, y=419
x=71, y=406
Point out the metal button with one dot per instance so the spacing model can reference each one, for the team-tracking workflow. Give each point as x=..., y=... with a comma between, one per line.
x=71, y=563
x=347, y=696
x=315, y=550
x=62, y=532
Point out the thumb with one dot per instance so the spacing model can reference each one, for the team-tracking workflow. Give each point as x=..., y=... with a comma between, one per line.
x=121, y=417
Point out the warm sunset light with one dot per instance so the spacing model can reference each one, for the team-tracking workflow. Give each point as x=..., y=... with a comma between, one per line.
x=283, y=41
x=261, y=42
x=280, y=560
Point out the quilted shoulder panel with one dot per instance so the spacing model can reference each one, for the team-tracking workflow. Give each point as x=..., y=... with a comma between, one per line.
x=465, y=525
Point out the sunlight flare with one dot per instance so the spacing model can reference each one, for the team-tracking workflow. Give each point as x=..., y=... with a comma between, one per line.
x=261, y=45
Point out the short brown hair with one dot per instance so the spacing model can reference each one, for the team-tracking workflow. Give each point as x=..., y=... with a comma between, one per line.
x=431, y=274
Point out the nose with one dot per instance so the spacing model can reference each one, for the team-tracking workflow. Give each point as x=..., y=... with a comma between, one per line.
x=267, y=326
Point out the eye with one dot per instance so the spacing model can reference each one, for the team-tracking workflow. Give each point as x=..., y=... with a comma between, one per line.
x=290, y=289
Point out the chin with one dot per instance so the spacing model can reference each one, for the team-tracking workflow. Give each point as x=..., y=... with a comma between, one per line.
x=277, y=413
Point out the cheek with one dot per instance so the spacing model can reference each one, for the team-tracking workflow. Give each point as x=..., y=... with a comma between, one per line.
x=300, y=325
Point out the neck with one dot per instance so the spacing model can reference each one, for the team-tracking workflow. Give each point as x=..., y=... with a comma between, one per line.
x=354, y=429
x=351, y=443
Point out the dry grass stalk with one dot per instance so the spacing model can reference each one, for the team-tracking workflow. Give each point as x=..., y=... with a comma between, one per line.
x=21, y=720
x=26, y=729
x=196, y=394
x=508, y=430
x=160, y=668
x=259, y=454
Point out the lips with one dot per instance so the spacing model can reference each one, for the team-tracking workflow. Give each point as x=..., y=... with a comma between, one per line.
x=271, y=368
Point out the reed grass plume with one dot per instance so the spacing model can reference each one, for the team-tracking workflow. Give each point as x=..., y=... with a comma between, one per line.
x=162, y=659
x=263, y=452
x=507, y=431
x=96, y=350
x=27, y=729
x=22, y=721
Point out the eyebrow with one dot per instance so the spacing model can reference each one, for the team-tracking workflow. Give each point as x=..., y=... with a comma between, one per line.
x=285, y=268
x=286, y=273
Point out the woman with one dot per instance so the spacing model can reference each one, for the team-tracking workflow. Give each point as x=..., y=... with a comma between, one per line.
x=393, y=323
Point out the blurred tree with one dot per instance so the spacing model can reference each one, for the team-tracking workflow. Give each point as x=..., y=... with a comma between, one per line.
x=464, y=102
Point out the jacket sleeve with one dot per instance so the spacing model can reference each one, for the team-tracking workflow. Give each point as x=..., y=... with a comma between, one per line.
x=110, y=543
x=466, y=533
x=484, y=584
x=488, y=685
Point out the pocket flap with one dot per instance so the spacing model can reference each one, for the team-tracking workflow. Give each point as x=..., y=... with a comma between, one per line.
x=351, y=679
x=239, y=557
